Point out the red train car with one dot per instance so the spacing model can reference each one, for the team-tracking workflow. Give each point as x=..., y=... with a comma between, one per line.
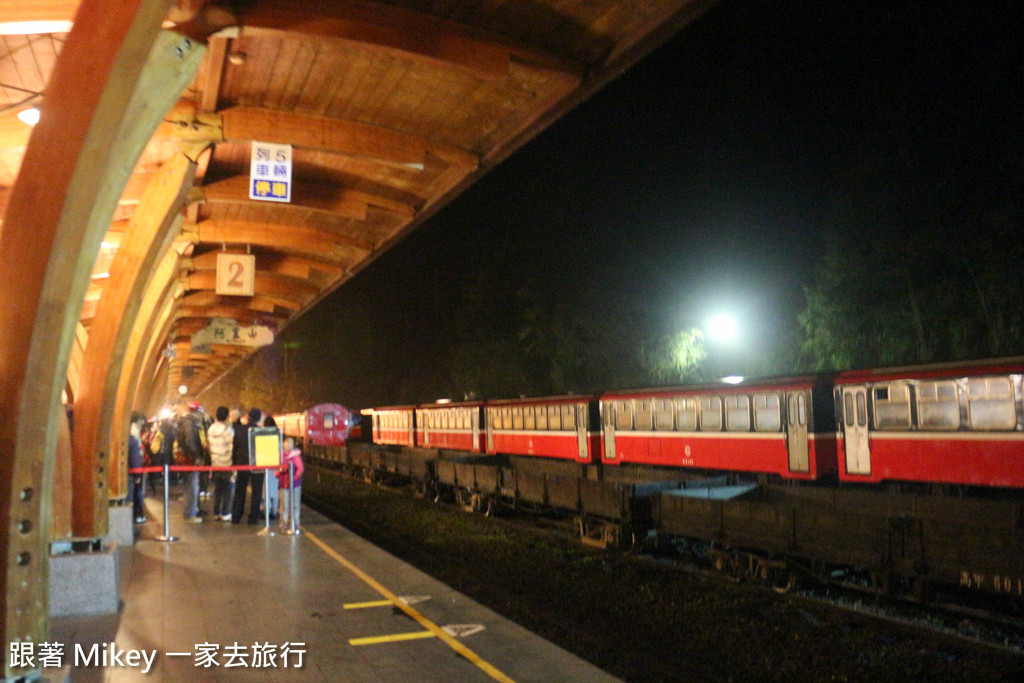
x=326, y=424
x=458, y=426
x=783, y=427
x=394, y=425
x=564, y=427
x=957, y=424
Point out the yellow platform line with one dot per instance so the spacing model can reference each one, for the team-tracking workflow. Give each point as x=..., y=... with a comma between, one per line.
x=430, y=626
x=364, y=605
x=377, y=640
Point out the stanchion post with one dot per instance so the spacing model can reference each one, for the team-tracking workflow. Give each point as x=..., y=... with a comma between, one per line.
x=292, y=530
x=266, y=530
x=166, y=537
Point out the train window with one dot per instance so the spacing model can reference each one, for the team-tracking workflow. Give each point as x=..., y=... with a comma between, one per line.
x=710, y=413
x=644, y=415
x=623, y=415
x=990, y=403
x=686, y=414
x=938, y=405
x=517, y=417
x=767, y=413
x=737, y=413
x=663, y=414
x=528, y=418
x=542, y=417
x=568, y=412
x=892, y=405
x=554, y=419
x=862, y=410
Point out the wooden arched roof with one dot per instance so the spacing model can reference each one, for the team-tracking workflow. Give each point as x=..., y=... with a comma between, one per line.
x=115, y=207
x=392, y=110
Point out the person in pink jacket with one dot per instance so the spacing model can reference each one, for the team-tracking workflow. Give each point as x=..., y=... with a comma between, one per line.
x=291, y=455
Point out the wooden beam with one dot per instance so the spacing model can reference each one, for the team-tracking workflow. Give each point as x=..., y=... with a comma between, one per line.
x=320, y=133
x=266, y=285
x=92, y=131
x=292, y=266
x=292, y=238
x=115, y=316
x=388, y=28
x=216, y=57
x=171, y=67
x=235, y=190
x=146, y=340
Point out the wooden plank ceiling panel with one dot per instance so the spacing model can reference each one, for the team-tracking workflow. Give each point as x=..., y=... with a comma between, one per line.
x=392, y=108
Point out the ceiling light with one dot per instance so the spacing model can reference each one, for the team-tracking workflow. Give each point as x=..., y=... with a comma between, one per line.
x=29, y=116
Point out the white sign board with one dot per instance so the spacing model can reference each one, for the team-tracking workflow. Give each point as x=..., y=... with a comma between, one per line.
x=270, y=173
x=236, y=274
x=228, y=331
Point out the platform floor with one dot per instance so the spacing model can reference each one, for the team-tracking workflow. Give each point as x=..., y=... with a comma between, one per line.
x=359, y=613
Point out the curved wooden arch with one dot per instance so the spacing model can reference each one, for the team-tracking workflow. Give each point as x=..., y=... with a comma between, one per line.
x=95, y=123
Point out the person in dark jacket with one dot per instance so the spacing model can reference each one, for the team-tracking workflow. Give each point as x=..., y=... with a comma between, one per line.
x=246, y=478
x=135, y=460
x=191, y=436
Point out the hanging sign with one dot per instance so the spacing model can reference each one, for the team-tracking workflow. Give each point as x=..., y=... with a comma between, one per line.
x=227, y=331
x=270, y=173
x=236, y=274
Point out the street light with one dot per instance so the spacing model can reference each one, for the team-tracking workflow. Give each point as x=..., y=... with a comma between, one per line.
x=722, y=328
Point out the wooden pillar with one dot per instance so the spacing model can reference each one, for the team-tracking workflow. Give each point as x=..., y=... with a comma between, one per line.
x=157, y=303
x=93, y=127
x=141, y=249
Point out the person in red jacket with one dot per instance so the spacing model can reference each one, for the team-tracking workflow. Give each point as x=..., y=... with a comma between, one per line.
x=291, y=455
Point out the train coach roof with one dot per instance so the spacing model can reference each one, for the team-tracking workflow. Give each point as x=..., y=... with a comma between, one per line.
x=997, y=366
x=449, y=404
x=745, y=386
x=568, y=398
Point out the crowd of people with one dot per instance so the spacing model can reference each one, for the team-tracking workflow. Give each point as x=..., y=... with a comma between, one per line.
x=194, y=438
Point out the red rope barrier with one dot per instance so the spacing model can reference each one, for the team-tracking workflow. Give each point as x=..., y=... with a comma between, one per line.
x=201, y=468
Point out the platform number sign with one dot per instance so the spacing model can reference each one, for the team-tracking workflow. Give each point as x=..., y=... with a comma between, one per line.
x=236, y=274
x=270, y=173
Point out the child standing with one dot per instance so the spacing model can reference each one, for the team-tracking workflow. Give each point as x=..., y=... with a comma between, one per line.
x=291, y=455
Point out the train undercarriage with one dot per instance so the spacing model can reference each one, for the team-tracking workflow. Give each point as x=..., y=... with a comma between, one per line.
x=779, y=534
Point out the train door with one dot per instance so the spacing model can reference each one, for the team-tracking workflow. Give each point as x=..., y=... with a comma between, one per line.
x=796, y=431
x=491, y=415
x=609, y=430
x=581, y=430
x=855, y=430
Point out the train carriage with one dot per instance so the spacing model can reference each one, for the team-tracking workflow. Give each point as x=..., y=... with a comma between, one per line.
x=457, y=426
x=781, y=427
x=564, y=427
x=394, y=425
x=326, y=424
x=961, y=425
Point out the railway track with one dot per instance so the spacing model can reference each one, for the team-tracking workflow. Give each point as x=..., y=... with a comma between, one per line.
x=972, y=625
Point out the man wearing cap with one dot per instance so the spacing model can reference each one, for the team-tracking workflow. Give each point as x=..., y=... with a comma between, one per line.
x=253, y=478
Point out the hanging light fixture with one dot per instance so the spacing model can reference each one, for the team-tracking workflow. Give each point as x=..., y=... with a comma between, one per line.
x=29, y=116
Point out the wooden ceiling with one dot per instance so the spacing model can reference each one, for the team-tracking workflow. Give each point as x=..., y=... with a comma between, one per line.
x=392, y=109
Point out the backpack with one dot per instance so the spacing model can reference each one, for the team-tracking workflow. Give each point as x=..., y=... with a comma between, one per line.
x=156, y=443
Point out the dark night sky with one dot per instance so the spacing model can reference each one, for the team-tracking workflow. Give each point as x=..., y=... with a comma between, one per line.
x=703, y=177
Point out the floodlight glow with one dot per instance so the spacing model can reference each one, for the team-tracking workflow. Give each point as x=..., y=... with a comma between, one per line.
x=733, y=379
x=722, y=327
